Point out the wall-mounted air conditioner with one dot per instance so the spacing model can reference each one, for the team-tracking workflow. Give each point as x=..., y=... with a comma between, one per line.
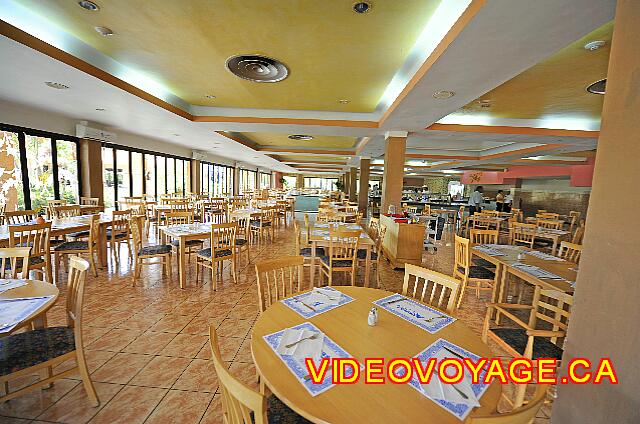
x=83, y=131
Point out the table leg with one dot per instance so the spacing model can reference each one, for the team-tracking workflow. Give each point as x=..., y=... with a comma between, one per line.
x=312, y=267
x=496, y=284
x=102, y=247
x=367, y=267
x=501, y=292
x=555, y=246
x=182, y=263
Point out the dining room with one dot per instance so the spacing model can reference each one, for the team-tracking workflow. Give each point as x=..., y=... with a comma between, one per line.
x=354, y=212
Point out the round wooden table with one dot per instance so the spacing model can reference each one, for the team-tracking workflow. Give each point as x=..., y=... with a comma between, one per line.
x=34, y=288
x=392, y=337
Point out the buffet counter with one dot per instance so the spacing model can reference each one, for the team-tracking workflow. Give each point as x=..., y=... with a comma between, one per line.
x=403, y=242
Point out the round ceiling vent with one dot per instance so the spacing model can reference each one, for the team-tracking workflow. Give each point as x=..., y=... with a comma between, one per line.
x=597, y=87
x=362, y=7
x=303, y=137
x=257, y=68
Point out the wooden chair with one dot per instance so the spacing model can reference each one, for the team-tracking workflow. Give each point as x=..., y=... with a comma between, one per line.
x=376, y=253
x=36, y=236
x=522, y=415
x=540, y=335
x=518, y=214
x=522, y=234
x=438, y=290
x=575, y=219
x=483, y=237
x=180, y=218
x=20, y=217
x=12, y=260
x=222, y=248
x=462, y=269
x=65, y=211
x=80, y=247
x=264, y=224
x=51, y=204
x=119, y=232
x=281, y=212
x=554, y=224
x=342, y=254
x=92, y=201
x=240, y=403
x=570, y=251
x=243, y=236
x=43, y=348
x=277, y=279
x=577, y=236
x=304, y=249
x=142, y=254
x=217, y=210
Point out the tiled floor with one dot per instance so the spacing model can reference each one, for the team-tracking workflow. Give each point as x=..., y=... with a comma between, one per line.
x=147, y=346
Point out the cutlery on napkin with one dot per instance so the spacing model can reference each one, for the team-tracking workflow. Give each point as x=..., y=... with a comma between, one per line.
x=301, y=344
x=461, y=392
x=324, y=296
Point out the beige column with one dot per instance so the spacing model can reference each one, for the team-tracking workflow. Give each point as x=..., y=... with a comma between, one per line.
x=353, y=180
x=363, y=190
x=396, y=145
x=299, y=181
x=606, y=312
x=196, y=184
x=236, y=180
x=91, y=168
x=347, y=183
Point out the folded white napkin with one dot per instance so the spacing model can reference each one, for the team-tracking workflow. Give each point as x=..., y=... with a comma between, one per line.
x=325, y=296
x=6, y=285
x=438, y=390
x=292, y=343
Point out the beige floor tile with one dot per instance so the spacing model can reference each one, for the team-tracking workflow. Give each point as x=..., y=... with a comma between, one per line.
x=162, y=371
x=37, y=401
x=75, y=408
x=121, y=368
x=132, y=404
x=200, y=376
x=180, y=407
x=185, y=345
x=115, y=340
x=149, y=342
x=213, y=415
x=172, y=323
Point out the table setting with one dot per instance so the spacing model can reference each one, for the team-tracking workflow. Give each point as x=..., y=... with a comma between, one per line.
x=317, y=301
x=418, y=314
x=14, y=311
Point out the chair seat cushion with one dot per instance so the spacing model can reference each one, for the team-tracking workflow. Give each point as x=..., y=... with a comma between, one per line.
x=478, y=272
x=362, y=254
x=306, y=252
x=483, y=263
x=119, y=236
x=342, y=263
x=35, y=260
x=259, y=224
x=72, y=245
x=517, y=338
x=206, y=253
x=23, y=350
x=187, y=243
x=241, y=242
x=279, y=413
x=158, y=249
x=78, y=234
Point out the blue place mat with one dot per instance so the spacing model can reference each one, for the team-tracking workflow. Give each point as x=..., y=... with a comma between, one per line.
x=297, y=303
x=460, y=410
x=329, y=350
x=415, y=312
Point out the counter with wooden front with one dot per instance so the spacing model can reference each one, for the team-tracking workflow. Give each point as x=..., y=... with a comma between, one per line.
x=403, y=243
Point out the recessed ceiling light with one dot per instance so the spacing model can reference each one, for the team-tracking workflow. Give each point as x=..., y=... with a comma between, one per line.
x=100, y=109
x=362, y=7
x=57, y=85
x=302, y=137
x=210, y=96
x=344, y=101
x=89, y=5
x=443, y=94
x=177, y=135
x=594, y=45
x=484, y=103
x=257, y=68
x=597, y=87
x=104, y=31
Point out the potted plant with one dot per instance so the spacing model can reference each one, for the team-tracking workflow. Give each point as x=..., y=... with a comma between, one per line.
x=339, y=185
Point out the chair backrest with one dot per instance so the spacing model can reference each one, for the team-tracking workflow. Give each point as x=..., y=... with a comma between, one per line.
x=179, y=217
x=483, y=221
x=223, y=237
x=180, y=205
x=577, y=236
x=461, y=256
x=136, y=235
x=523, y=233
x=555, y=224
x=547, y=215
x=53, y=203
x=517, y=213
x=20, y=217
x=93, y=201
x=277, y=279
x=240, y=403
x=522, y=415
x=36, y=236
x=570, y=251
x=483, y=236
x=12, y=260
x=343, y=244
x=554, y=307
x=75, y=293
x=120, y=222
x=66, y=211
x=431, y=287
x=379, y=239
x=267, y=214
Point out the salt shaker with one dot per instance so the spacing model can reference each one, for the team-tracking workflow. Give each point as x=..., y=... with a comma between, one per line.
x=373, y=317
x=520, y=256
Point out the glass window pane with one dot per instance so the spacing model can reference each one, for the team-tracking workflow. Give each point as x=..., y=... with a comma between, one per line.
x=122, y=160
x=150, y=174
x=187, y=176
x=171, y=175
x=40, y=170
x=204, y=178
x=11, y=190
x=108, y=179
x=179, y=176
x=136, y=171
x=230, y=179
x=67, y=153
x=161, y=174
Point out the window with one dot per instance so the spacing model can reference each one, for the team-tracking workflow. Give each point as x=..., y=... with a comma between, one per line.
x=137, y=173
x=124, y=180
x=320, y=183
x=150, y=174
x=187, y=176
x=161, y=173
x=217, y=180
x=247, y=181
x=289, y=181
x=108, y=178
x=179, y=176
x=171, y=175
x=265, y=180
x=37, y=166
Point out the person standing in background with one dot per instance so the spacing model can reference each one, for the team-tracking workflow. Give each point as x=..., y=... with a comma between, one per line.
x=475, y=201
x=508, y=201
x=500, y=201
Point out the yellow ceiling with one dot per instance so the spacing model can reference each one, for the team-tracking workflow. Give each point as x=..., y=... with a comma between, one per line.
x=556, y=86
x=332, y=52
x=310, y=158
x=320, y=141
